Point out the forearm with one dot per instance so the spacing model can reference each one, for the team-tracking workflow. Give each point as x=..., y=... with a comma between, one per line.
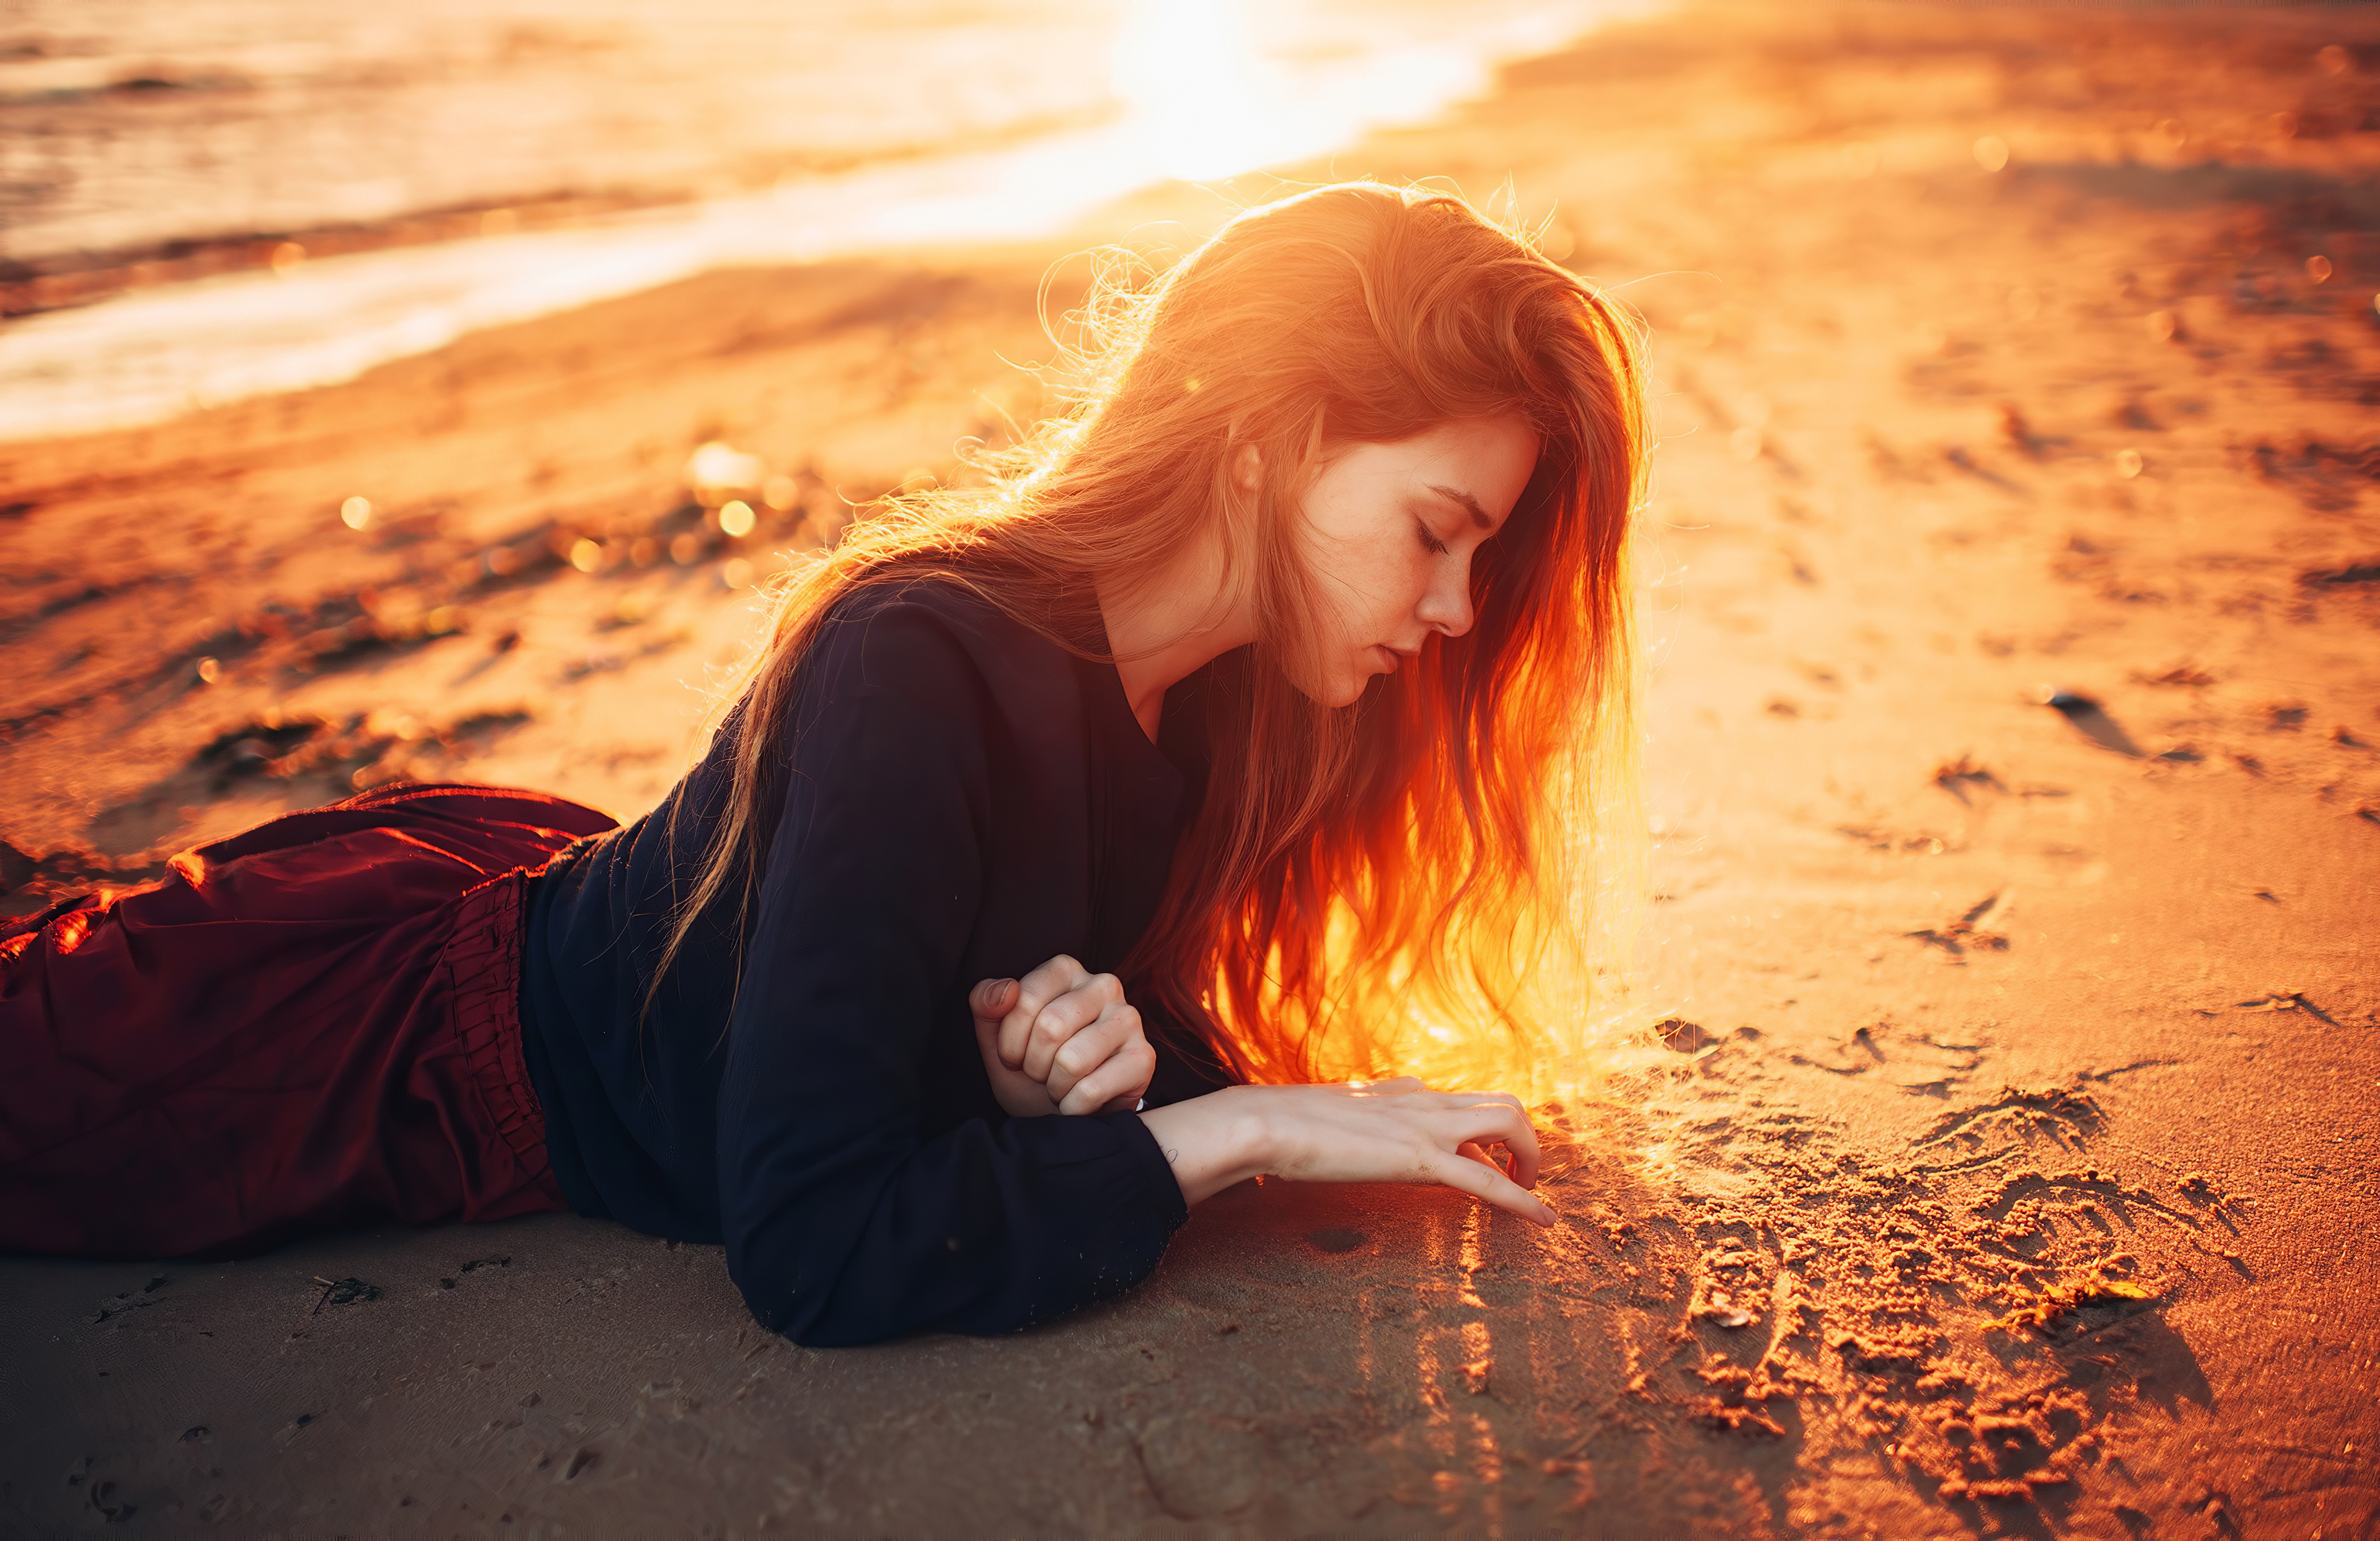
x=1395, y=1131
x=1213, y=1141
x=984, y=1228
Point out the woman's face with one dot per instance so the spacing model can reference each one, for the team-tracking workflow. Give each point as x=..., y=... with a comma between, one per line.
x=1389, y=531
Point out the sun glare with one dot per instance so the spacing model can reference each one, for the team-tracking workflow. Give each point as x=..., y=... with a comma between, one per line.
x=1189, y=73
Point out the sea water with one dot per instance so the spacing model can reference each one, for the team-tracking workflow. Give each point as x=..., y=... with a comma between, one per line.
x=727, y=131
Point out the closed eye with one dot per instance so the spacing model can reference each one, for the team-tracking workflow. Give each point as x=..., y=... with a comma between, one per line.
x=1429, y=539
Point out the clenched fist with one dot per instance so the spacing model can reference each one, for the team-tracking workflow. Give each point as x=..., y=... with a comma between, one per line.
x=1062, y=1040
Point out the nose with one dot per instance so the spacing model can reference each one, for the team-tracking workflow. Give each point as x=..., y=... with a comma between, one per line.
x=1445, y=606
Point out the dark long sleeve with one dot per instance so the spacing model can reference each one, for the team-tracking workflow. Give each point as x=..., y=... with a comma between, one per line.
x=960, y=798
x=843, y=1221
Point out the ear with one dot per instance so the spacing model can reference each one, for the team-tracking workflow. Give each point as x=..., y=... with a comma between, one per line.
x=1248, y=467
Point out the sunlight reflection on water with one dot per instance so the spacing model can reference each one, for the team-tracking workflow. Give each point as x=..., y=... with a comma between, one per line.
x=1201, y=97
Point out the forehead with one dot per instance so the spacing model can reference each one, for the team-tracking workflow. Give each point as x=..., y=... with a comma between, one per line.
x=1482, y=461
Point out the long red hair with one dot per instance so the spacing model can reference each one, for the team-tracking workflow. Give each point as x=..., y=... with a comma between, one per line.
x=1437, y=879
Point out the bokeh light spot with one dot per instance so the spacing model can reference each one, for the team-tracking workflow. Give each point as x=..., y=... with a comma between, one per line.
x=355, y=512
x=716, y=469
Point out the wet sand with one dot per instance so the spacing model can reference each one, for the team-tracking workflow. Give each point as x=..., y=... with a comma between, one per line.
x=2011, y=1164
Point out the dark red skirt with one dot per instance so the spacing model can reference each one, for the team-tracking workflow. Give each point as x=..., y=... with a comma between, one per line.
x=314, y=1023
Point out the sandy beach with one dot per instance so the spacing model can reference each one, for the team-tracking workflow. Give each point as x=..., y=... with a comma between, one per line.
x=2012, y=585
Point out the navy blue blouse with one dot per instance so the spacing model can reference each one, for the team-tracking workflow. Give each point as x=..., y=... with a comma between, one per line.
x=961, y=800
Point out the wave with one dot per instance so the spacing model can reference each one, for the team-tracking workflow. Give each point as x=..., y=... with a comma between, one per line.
x=260, y=321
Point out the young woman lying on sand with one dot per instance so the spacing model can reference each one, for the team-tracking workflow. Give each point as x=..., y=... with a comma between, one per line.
x=1249, y=716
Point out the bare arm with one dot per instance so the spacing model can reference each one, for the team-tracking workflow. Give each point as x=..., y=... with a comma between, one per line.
x=1384, y=1131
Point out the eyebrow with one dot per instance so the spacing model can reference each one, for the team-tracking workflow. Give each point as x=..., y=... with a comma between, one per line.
x=1456, y=495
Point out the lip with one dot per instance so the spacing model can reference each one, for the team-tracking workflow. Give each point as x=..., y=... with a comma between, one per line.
x=1387, y=657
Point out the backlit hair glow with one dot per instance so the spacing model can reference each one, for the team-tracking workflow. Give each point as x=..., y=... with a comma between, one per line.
x=1439, y=879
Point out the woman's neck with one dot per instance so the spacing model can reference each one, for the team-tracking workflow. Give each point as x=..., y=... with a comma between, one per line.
x=1164, y=627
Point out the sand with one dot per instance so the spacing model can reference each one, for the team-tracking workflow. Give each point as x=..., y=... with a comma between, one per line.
x=2010, y=1166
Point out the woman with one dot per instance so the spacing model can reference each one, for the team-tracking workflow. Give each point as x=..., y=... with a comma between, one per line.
x=1076, y=847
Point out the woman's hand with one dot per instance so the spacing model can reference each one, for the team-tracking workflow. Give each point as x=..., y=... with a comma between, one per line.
x=1377, y=1132
x=1062, y=1040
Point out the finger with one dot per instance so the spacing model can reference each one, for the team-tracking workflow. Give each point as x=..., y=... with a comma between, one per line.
x=990, y=999
x=1065, y=1016
x=1054, y=1025
x=987, y=1002
x=1472, y=1150
x=1483, y=1181
x=1090, y=1047
x=1036, y=989
x=1021, y=1097
x=1497, y=1121
x=1117, y=1085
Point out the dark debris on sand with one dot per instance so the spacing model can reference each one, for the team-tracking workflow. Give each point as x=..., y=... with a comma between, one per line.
x=342, y=1292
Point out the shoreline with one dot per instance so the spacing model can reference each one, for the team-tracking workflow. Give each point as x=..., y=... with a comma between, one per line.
x=57, y=281
x=106, y=341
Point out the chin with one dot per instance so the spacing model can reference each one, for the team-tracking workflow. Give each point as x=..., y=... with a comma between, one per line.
x=1340, y=690
x=1339, y=686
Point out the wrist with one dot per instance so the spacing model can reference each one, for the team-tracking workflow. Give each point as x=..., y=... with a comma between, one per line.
x=1254, y=1141
x=1213, y=1142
